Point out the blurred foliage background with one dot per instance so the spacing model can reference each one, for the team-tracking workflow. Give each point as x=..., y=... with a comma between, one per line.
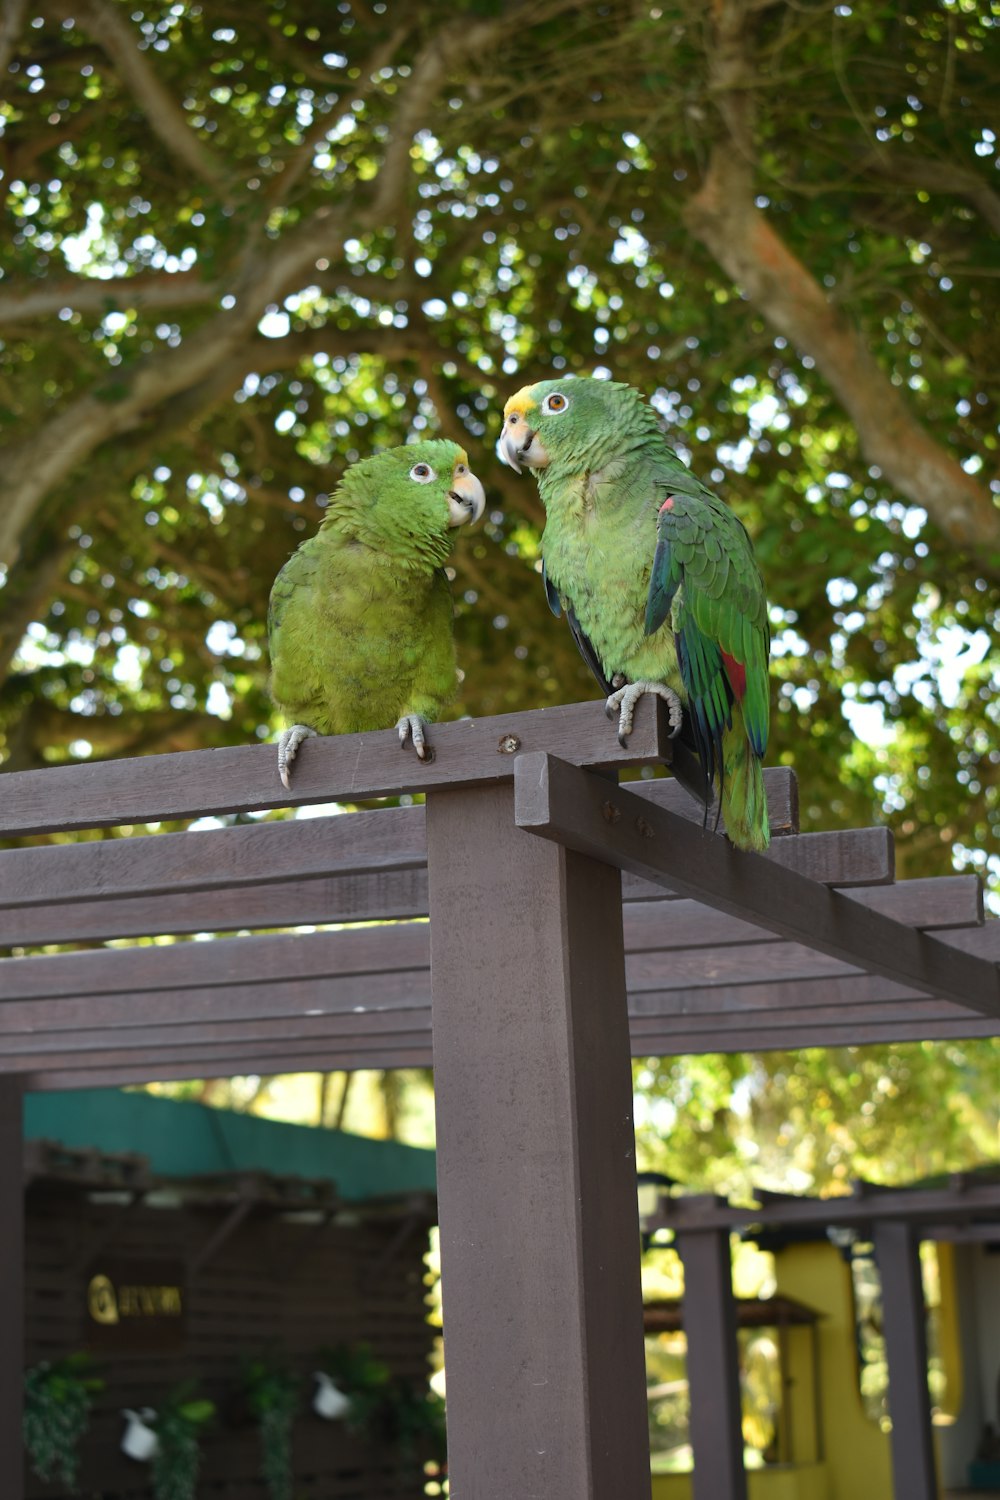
x=246, y=244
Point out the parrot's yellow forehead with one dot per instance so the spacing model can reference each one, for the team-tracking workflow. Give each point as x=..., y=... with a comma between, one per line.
x=463, y=457
x=522, y=402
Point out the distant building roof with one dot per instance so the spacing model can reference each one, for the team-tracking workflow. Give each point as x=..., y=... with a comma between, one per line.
x=183, y=1139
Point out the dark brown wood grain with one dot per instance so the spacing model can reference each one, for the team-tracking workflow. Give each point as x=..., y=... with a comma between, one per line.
x=569, y=805
x=536, y=1162
x=336, y=768
x=11, y=1283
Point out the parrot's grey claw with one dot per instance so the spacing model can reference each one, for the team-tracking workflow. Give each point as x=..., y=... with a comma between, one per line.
x=413, y=726
x=288, y=748
x=623, y=703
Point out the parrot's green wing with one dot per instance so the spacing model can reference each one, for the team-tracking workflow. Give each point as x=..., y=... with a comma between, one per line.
x=706, y=581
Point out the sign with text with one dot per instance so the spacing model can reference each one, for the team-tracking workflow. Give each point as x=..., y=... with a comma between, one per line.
x=135, y=1305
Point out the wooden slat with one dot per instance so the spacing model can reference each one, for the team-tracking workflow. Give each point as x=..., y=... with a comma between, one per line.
x=137, y=1071
x=275, y=975
x=793, y=1038
x=384, y=896
x=311, y=1053
x=142, y=1069
x=343, y=995
x=571, y=806
x=336, y=768
x=258, y=854
x=942, y=902
x=227, y=961
x=361, y=1026
x=925, y=1205
x=401, y=1030
x=58, y=909
x=806, y=1019
x=735, y=999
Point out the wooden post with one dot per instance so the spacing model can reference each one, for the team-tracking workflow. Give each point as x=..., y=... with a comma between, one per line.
x=897, y=1253
x=536, y=1164
x=11, y=1286
x=712, y=1365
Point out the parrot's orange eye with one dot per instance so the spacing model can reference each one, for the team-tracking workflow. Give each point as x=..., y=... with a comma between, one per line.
x=555, y=402
x=422, y=473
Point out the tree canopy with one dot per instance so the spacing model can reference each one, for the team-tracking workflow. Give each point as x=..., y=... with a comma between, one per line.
x=249, y=244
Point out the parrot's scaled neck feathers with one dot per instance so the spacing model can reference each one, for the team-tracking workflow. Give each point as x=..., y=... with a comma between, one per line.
x=405, y=526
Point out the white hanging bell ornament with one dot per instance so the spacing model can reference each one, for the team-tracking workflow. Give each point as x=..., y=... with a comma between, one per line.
x=329, y=1402
x=140, y=1440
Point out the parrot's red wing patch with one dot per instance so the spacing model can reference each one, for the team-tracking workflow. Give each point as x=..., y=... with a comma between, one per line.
x=737, y=675
x=668, y=504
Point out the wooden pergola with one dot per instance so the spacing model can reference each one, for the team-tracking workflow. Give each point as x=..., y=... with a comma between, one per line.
x=895, y=1220
x=542, y=968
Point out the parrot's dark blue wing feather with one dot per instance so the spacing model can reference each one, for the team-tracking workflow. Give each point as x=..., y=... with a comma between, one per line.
x=551, y=593
x=664, y=582
x=585, y=646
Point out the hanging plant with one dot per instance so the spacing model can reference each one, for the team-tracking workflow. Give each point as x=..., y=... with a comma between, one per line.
x=58, y=1397
x=273, y=1396
x=415, y=1421
x=179, y=1425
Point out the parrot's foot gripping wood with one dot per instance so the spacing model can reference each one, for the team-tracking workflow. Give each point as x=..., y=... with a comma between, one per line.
x=623, y=704
x=412, y=725
x=288, y=748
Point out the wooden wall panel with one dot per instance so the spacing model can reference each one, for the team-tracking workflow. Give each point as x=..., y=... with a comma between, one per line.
x=274, y=1285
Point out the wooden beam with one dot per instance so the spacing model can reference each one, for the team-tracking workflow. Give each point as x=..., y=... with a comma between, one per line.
x=201, y=860
x=367, y=1029
x=386, y=969
x=11, y=1285
x=279, y=999
x=780, y=788
x=937, y=1205
x=713, y=1363
x=571, y=806
x=794, y=1038
x=536, y=1162
x=904, y=1324
x=841, y=1017
x=229, y=961
x=383, y=896
x=68, y=892
x=137, y=1071
x=335, y=768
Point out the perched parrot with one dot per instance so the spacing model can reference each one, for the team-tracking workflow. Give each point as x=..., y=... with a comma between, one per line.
x=658, y=581
x=360, y=620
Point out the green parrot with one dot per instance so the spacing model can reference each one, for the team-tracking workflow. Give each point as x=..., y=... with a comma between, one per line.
x=658, y=580
x=359, y=624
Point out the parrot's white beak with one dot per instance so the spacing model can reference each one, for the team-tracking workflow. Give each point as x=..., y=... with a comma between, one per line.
x=466, y=500
x=519, y=444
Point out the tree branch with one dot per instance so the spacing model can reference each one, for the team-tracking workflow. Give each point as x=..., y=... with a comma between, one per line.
x=32, y=468
x=936, y=176
x=116, y=294
x=724, y=217
x=11, y=21
x=291, y=168
x=167, y=119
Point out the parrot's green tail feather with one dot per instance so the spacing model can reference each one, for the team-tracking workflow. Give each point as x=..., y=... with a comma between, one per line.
x=744, y=801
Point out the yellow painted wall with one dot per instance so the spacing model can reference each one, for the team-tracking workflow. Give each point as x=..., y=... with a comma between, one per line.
x=858, y=1460
x=803, y=1482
